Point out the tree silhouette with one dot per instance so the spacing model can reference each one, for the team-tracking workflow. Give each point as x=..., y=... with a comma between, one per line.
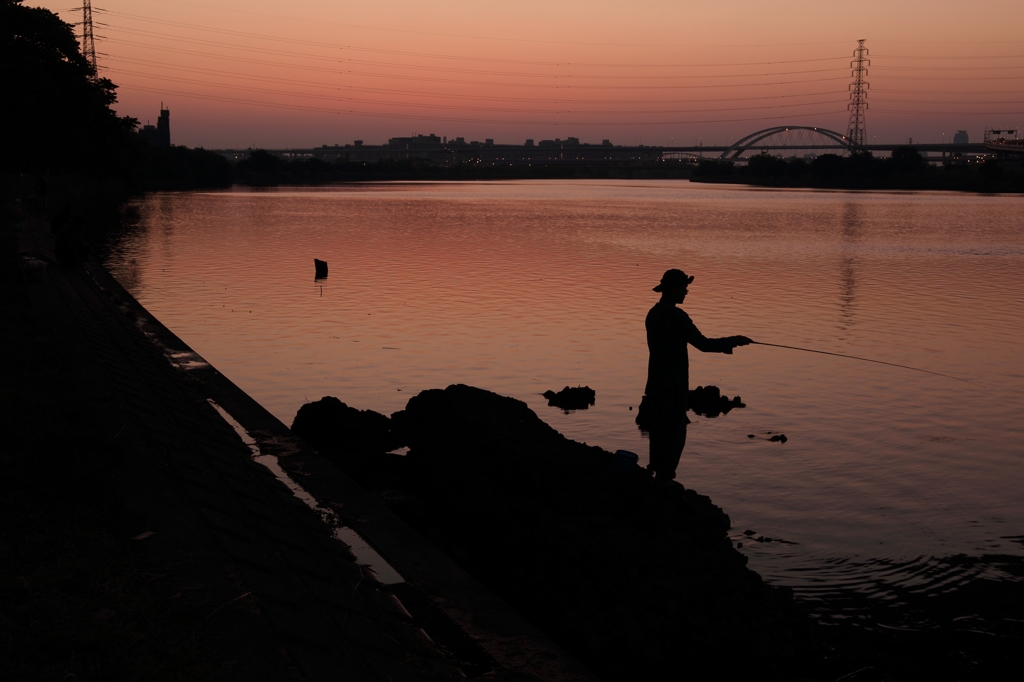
x=57, y=116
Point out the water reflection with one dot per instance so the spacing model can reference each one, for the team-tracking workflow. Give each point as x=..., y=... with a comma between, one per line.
x=515, y=287
x=850, y=222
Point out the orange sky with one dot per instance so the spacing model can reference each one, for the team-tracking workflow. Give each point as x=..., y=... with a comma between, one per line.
x=312, y=72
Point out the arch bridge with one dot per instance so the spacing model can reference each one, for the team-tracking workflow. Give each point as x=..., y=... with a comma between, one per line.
x=681, y=156
x=792, y=138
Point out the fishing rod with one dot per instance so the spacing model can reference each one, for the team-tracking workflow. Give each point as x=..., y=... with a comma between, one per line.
x=854, y=357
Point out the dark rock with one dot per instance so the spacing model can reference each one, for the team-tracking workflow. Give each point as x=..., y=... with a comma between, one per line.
x=579, y=398
x=633, y=578
x=749, y=532
x=330, y=424
x=321, y=268
x=779, y=438
x=626, y=461
x=708, y=401
x=750, y=435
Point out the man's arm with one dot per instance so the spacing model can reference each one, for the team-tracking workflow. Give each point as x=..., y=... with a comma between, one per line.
x=706, y=345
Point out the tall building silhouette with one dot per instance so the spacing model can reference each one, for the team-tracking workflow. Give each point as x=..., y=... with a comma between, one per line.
x=160, y=134
x=163, y=127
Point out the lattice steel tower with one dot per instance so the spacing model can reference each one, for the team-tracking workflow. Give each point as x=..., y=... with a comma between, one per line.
x=857, y=134
x=88, y=41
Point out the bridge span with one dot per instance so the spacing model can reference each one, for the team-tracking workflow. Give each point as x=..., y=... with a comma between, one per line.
x=811, y=139
x=433, y=150
x=724, y=151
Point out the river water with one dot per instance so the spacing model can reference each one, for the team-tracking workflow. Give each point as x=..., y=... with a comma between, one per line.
x=520, y=287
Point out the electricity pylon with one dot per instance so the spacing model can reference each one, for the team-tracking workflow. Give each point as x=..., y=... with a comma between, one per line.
x=88, y=41
x=857, y=133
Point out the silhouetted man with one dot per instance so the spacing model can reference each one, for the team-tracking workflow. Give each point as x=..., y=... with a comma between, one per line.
x=669, y=330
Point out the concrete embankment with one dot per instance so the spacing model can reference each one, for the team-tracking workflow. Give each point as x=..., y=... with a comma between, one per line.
x=212, y=519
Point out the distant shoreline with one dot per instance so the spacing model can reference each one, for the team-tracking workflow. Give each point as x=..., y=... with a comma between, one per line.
x=867, y=186
x=906, y=169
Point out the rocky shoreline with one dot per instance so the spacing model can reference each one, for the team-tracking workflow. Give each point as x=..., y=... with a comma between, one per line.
x=637, y=580
x=634, y=578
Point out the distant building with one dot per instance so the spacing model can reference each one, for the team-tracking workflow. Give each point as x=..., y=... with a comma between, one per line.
x=419, y=142
x=148, y=133
x=445, y=152
x=570, y=142
x=235, y=154
x=160, y=134
x=425, y=148
x=960, y=137
x=163, y=127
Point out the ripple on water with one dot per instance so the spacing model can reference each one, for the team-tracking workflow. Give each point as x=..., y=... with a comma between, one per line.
x=519, y=287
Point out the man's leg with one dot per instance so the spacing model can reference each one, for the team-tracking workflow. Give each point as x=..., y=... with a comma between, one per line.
x=675, y=441
x=658, y=439
x=668, y=438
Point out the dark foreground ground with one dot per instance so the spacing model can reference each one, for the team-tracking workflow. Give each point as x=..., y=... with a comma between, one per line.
x=141, y=541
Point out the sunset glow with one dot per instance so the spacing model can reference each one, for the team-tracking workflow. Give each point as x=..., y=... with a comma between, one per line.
x=311, y=72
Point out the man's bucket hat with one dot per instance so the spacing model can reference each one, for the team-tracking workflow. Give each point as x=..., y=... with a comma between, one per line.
x=673, y=279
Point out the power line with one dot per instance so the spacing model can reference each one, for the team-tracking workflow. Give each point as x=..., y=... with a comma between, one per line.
x=971, y=93
x=931, y=112
x=402, y=77
x=314, y=43
x=518, y=74
x=335, y=58
x=946, y=101
x=436, y=94
x=468, y=120
x=337, y=98
x=952, y=68
x=420, y=67
x=948, y=56
x=950, y=78
x=561, y=89
x=392, y=29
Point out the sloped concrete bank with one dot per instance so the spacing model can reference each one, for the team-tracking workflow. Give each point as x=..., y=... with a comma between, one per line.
x=294, y=602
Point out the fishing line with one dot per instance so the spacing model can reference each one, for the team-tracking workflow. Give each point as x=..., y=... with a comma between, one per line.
x=854, y=357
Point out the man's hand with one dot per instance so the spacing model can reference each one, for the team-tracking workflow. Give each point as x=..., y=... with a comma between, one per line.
x=734, y=341
x=737, y=341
